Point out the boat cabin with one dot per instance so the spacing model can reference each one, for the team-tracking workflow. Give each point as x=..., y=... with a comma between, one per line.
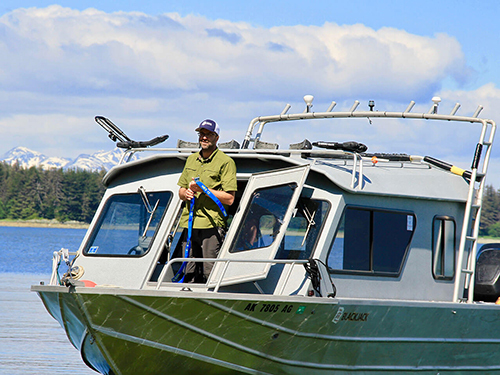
x=324, y=221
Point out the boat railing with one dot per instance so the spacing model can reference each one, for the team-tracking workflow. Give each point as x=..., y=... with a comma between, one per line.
x=57, y=257
x=432, y=114
x=227, y=262
x=357, y=170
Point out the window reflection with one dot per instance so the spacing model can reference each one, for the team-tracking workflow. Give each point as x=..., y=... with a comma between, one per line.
x=304, y=229
x=263, y=219
x=372, y=241
x=126, y=225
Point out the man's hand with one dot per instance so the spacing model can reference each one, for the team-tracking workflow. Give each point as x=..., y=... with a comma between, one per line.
x=226, y=198
x=189, y=194
x=193, y=186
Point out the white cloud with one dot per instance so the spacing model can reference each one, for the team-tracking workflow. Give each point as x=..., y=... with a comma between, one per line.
x=58, y=49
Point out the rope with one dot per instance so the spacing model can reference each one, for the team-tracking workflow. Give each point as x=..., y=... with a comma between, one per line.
x=180, y=275
x=74, y=273
x=211, y=196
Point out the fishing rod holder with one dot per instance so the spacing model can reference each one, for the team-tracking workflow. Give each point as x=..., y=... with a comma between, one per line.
x=122, y=140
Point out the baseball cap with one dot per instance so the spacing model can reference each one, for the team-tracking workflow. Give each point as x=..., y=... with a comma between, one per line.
x=210, y=125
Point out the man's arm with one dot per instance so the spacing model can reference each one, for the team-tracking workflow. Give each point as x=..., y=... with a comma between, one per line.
x=226, y=197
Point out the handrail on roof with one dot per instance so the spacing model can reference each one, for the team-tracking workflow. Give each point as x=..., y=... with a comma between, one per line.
x=432, y=114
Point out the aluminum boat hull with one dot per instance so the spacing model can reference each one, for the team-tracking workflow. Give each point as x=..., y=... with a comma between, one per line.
x=154, y=332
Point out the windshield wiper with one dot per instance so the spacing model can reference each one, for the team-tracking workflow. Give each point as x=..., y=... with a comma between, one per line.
x=151, y=211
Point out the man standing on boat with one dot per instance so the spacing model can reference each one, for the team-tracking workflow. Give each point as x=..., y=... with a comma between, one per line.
x=217, y=172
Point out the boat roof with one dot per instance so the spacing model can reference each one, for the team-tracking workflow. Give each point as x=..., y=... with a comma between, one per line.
x=348, y=168
x=392, y=178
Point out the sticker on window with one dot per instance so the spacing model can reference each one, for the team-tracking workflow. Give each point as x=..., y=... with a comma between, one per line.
x=409, y=223
x=93, y=250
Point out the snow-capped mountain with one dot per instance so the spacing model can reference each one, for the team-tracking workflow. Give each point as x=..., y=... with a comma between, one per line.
x=27, y=158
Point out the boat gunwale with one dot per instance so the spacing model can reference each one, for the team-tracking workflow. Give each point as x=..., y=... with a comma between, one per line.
x=168, y=292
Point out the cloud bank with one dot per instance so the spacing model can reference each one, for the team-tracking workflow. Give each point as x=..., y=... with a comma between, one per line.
x=62, y=51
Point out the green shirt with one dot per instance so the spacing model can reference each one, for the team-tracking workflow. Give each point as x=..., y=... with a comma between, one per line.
x=218, y=172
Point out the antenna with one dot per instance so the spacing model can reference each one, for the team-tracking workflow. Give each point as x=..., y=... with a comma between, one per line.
x=478, y=111
x=285, y=110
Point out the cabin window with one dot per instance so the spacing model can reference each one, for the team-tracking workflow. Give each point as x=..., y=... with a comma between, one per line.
x=304, y=229
x=127, y=224
x=371, y=241
x=443, y=247
x=263, y=218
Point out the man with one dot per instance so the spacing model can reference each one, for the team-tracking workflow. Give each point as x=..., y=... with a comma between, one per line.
x=217, y=172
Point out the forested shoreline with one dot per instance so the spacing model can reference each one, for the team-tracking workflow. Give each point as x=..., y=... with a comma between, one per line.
x=54, y=194
x=73, y=195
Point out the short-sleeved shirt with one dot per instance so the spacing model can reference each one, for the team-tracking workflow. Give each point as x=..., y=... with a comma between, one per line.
x=218, y=172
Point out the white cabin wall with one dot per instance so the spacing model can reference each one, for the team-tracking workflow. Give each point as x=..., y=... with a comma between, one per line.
x=416, y=281
x=129, y=272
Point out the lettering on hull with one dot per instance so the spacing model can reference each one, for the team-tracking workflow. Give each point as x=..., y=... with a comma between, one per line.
x=349, y=316
x=272, y=308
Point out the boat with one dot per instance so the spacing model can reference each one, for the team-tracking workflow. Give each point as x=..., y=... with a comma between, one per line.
x=363, y=262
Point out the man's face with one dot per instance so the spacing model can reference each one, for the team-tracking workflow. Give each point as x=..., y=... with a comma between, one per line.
x=208, y=140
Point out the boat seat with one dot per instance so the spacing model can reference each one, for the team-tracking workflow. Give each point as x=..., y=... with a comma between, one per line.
x=304, y=145
x=232, y=144
x=487, y=277
x=259, y=145
x=185, y=144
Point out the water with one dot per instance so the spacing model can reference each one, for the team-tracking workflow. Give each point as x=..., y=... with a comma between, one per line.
x=31, y=341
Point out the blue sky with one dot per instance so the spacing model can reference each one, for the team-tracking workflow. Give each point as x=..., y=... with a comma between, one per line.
x=158, y=67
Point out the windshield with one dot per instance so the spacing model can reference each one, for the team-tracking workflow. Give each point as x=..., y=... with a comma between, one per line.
x=127, y=225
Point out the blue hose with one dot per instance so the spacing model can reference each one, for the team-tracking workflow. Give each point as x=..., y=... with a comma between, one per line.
x=180, y=275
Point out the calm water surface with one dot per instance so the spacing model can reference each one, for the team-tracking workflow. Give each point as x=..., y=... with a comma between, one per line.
x=31, y=341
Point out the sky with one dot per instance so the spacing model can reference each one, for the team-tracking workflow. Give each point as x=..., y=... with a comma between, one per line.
x=161, y=67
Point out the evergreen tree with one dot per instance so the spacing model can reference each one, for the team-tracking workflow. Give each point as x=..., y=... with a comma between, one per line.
x=50, y=194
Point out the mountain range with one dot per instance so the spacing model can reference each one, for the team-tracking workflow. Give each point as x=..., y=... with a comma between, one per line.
x=27, y=158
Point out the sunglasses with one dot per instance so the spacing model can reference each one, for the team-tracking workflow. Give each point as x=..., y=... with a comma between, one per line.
x=206, y=135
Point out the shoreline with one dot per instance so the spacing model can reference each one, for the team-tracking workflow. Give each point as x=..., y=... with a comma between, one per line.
x=43, y=224
x=40, y=223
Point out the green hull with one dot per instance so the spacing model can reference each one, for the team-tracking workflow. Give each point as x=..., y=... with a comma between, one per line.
x=186, y=333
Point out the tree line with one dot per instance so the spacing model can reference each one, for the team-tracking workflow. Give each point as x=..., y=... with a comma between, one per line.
x=490, y=215
x=35, y=193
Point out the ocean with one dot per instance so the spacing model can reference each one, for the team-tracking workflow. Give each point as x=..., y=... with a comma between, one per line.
x=31, y=341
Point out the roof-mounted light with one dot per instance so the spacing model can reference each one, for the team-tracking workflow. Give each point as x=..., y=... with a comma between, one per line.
x=436, y=100
x=308, y=99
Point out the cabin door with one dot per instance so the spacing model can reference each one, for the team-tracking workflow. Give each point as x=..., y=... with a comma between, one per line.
x=259, y=225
